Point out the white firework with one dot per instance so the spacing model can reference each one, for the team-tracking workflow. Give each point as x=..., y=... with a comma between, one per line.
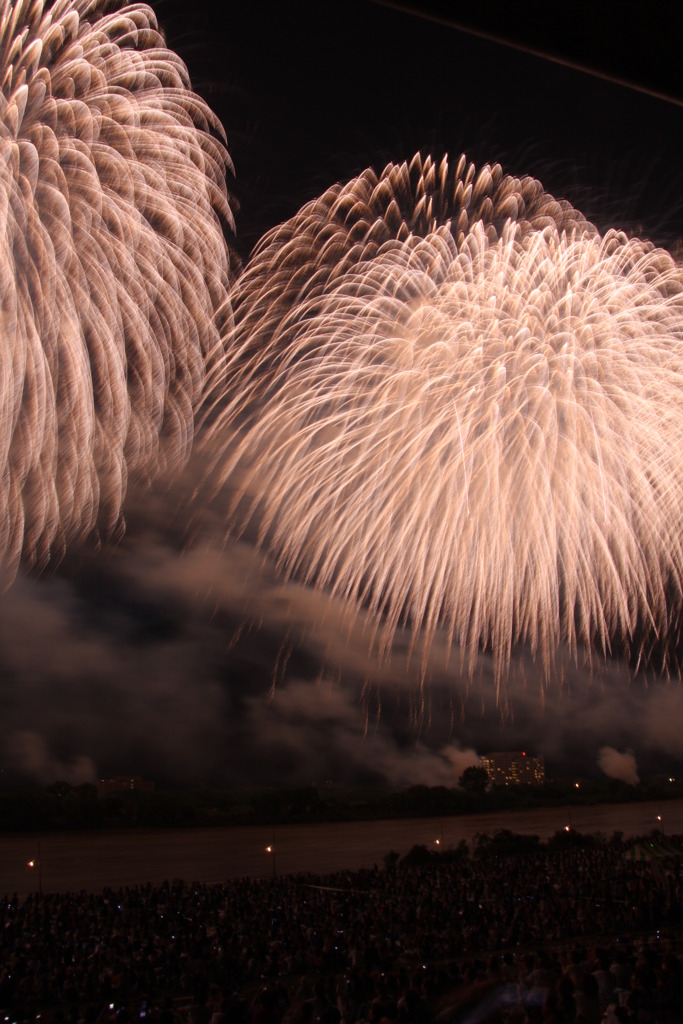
x=452, y=401
x=113, y=264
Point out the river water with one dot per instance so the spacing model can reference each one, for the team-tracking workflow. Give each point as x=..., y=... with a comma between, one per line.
x=68, y=862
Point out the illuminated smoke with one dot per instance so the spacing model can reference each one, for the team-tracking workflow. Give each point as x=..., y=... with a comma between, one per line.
x=451, y=400
x=113, y=264
x=619, y=766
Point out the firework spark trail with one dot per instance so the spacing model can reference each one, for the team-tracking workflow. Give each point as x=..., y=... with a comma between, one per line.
x=348, y=226
x=453, y=401
x=113, y=264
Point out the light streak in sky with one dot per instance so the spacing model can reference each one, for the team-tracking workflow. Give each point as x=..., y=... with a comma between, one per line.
x=451, y=400
x=113, y=264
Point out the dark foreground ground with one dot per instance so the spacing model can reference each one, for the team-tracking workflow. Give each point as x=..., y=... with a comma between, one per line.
x=576, y=929
x=568, y=927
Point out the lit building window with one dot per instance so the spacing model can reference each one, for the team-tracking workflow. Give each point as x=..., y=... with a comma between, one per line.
x=514, y=768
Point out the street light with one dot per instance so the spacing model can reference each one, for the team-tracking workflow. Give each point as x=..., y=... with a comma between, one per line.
x=271, y=850
x=37, y=862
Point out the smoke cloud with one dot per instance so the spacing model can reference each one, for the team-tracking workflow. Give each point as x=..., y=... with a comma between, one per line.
x=191, y=662
x=619, y=766
x=29, y=753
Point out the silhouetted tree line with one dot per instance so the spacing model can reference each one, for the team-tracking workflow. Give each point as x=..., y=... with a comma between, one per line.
x=65, y=807
x=505, y=843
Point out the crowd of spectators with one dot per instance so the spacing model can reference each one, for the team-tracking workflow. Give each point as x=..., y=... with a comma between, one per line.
x=552, y=936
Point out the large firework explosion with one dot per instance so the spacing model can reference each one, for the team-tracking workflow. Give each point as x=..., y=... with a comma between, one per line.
x=446, y=397
x=113, y=262
x=451, y=400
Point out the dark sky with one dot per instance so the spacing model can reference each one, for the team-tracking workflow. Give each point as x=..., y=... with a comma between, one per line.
x=186, y=660
x=314, y=93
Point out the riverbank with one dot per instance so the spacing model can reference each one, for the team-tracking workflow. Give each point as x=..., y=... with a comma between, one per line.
x=91, y=861
x=136, y=803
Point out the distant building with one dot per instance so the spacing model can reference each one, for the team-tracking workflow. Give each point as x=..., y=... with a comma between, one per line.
x=124, y=784
x=514, y=768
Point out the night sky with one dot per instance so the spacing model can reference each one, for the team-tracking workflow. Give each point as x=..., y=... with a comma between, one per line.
x=184, y=658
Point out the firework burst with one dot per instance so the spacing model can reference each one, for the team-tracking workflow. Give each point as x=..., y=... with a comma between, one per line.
x=113, y=263
x=451, y=400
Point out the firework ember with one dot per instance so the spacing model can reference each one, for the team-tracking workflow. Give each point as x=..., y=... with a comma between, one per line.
x=113, y=262
x=451, y=400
